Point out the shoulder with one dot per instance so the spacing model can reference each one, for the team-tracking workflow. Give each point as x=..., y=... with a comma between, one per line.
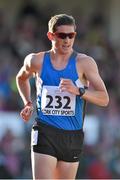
x=86, y=61
x=34, y=61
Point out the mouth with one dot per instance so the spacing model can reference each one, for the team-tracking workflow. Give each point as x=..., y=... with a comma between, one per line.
x=66, y=47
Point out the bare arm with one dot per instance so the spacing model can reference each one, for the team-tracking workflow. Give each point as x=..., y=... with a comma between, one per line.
x=98, y=94
x=88, y=71
x=22, y=80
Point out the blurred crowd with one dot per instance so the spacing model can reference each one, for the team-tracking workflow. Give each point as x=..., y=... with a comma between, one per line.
x=28, y=34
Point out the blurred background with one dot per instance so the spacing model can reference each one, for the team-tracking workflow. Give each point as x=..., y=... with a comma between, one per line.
x=23, y=28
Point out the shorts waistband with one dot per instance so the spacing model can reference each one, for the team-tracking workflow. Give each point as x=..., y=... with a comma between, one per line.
x=51, y=128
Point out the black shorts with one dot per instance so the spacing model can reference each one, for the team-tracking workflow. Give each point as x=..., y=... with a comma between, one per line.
x=65, y=145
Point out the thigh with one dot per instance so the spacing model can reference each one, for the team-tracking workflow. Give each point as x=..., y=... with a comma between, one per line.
x=43, y=166
x=66, y=170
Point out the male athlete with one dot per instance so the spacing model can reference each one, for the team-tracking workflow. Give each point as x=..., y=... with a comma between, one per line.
x=62, y=87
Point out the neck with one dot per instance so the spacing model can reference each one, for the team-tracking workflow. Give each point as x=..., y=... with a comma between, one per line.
x=56, y=54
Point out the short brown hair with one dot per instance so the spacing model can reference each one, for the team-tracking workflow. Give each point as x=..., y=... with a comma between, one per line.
x=60, y=19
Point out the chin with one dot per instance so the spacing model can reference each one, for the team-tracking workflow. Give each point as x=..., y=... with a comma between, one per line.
x=65, y=51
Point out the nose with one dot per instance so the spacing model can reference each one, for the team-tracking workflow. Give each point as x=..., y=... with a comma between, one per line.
x=67, y=39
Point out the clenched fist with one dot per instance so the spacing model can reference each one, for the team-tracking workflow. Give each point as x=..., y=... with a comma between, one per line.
x=69, y=86
x=27, y=111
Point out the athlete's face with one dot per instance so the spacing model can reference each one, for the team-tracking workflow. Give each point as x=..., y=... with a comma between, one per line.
x=63, y=38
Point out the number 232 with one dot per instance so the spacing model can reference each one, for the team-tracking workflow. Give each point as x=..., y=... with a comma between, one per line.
x=59, y=102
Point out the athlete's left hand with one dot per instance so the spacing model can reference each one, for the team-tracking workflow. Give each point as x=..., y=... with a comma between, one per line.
x=69, y=86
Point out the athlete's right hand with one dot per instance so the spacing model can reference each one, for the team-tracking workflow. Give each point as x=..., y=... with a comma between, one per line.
x=27, y=111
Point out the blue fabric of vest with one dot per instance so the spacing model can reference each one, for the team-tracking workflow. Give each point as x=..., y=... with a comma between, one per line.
x=51, y=77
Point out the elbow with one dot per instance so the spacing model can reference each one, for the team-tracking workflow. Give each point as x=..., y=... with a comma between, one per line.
x=17, y=78
x=105, y=102
x=18, y=75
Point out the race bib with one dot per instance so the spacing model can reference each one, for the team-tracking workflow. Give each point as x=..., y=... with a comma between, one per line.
x=55, y=102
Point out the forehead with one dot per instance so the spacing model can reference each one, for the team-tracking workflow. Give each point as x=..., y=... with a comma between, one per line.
x=65, y=28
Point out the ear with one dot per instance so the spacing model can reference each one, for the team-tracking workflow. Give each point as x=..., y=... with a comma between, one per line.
x=50, y=36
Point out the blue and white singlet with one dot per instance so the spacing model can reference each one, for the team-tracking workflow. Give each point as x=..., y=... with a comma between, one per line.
x=59, y=109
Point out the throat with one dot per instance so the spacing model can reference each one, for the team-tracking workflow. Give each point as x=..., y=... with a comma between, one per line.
x=59, y=64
